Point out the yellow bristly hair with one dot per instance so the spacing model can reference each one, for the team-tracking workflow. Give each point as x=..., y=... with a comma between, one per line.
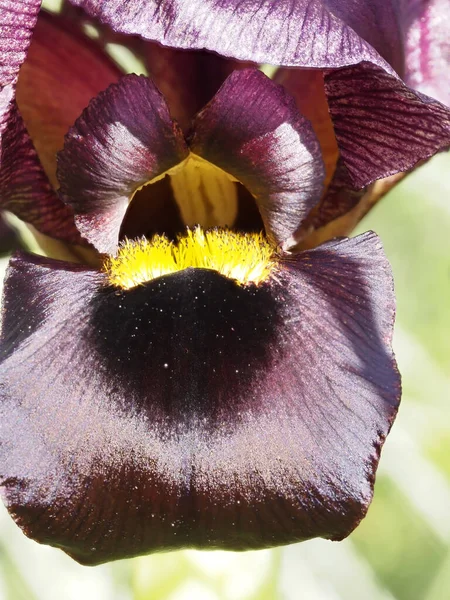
x=244, y=257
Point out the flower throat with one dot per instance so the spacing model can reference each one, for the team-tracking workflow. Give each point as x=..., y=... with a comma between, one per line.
x=245, y=257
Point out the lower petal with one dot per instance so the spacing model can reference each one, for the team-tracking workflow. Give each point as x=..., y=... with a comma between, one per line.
x=191, y=411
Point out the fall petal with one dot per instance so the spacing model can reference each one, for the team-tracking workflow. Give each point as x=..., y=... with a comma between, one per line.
x=253, y=131
x=124, y=139
x=191, y=411
x=55, y=84
x=386, y=127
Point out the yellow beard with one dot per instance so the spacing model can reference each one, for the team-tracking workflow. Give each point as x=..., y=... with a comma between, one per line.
x=244, y=257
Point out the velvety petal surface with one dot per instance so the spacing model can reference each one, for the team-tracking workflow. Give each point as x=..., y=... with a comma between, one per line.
x=24, y=187
x=382, y=127
x=124, y=139
x=252, y=130
x=191, y=411
x=64, y=70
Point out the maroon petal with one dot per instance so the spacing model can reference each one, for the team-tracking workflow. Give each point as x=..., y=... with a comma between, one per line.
x=253, y=130
x=55, y=84
x=191, y=411
x=18, y=17
x=124, y=139
x=187, y=79
x=307, y=88
x=24, y=187
x=385, y=127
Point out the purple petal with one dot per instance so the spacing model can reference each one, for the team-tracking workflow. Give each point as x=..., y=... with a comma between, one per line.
x=386, y=127
x=55, y=86
x=306, y=86
x=412, y=36
x=17, y=18
x=286, y=32
x=124, y=139
x=194, y=412
x=427, y=47
x=187, y=80
x=253, y=130
x=24, y=187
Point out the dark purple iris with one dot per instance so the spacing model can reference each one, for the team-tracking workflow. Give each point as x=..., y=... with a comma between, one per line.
x=200, y=407
x=351, y=56
x=194, y=409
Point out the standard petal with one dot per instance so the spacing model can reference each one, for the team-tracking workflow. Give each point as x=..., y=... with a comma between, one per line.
x=385, y=128
x=253, y=131
x=427, y=47
x=123, y=140
x=17, y=18
x=307, y=33
x=24, y=187
x=55, y=84
x=307, y=87
x=187, y=79
x=194, y=412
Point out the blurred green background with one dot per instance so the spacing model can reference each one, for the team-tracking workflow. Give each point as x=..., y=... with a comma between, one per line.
x=401, y=551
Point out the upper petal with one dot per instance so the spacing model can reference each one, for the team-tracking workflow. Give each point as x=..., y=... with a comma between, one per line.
x=187, y=79
x=252, y=129
x=307, y=88
x=385, y=128
x=411, y=35
x=24, y=187
x=17, y=18
x=194, y=412
x=311, y=33
x=427, y=47
x=64, y=70
x=124, y=139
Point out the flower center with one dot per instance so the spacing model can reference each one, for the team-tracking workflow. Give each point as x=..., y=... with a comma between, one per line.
x=245, y=257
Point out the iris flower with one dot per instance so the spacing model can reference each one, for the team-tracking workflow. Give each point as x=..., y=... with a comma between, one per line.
x=199, y=379
x=374, y=53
